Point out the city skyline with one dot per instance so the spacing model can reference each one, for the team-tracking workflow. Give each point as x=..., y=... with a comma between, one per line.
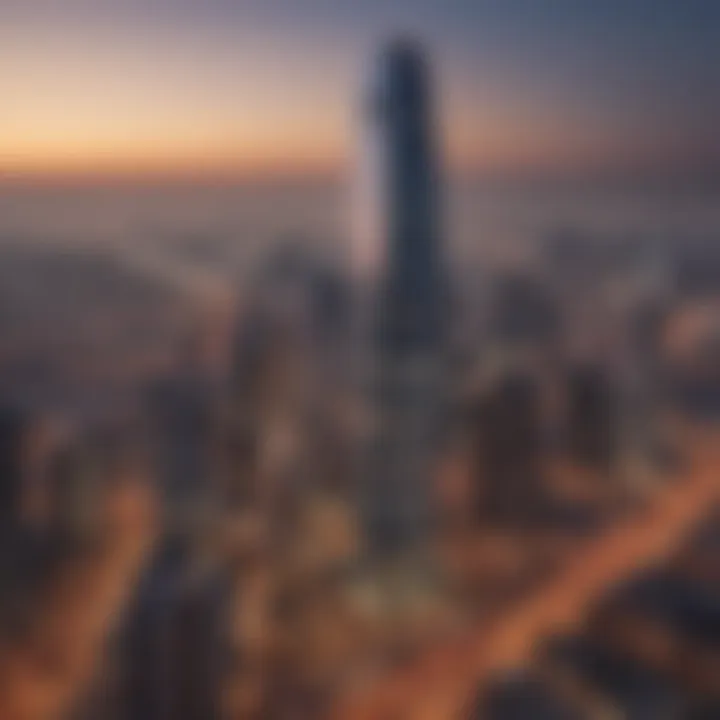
x=253, y=88
x=428, y=448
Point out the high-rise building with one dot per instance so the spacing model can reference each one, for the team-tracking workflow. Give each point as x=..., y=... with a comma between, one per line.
x=507, y=444
x=405, y=326
x=171, y=654
x=13, y=428
x=25, y=504
x=592, y=418
x=269, y=384
x=180, y=414
x=285, y=380
x=76, y=491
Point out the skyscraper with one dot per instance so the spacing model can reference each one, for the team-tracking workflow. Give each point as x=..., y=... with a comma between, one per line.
x=507, y=438
x=13, y=427
x=592, y=418
x=171, y=654
x=181, y=424
x=282, y=372
x=405, y=325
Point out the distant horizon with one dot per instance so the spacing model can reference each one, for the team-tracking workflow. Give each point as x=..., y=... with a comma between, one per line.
x=526, y=165
x=694, y=179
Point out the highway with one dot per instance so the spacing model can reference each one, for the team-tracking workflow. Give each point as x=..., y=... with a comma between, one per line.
x=441, y=683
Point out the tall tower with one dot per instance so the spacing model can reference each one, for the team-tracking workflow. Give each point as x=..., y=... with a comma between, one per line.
x=404, y=328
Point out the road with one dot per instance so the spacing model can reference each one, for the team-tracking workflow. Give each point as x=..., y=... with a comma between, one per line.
x=441, y=683
x=43, y=673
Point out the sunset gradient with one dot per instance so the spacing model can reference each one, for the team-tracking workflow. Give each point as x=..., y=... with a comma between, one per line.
x=90, y=86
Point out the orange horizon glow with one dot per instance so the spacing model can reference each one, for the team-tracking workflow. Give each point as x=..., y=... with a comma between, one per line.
x=152, y=168
x=256, y=94
x=331, y=168
x=261, y=143
x=107, y=106
x=260, y=150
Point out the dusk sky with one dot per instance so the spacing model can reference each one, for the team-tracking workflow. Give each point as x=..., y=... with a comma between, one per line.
x=266, y=85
